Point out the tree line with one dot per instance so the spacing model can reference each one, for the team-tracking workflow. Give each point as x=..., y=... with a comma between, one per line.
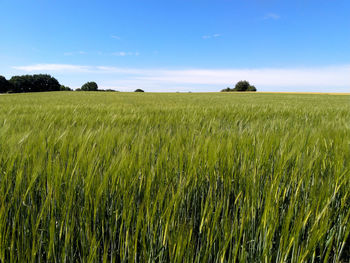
x=39, y=83
x=30, y=83
x=45, y=82
x=42, y=83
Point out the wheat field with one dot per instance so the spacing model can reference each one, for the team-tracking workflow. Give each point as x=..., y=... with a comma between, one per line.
x=174, y=177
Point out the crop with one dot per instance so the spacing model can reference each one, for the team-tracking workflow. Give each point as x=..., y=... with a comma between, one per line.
x=133, y=177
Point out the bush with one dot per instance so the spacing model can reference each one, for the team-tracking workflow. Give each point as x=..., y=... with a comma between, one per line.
x=65, y=88
x=226, y=90
x=111, y=90
x=138, y=90
x=89, y=86
x=5, y=86
x=107, y=90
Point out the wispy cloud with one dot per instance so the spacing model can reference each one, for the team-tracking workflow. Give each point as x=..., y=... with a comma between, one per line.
x=316, y=78
x=69, y=68
x=115, y=37
x=118, y=53
x=211, y=36
x=272, y=16
x=53, y=68
x=74, y=53
x=123, y=54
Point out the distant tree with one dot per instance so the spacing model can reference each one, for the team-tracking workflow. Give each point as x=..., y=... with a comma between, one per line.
x=242, y=85
x=65, y=88
x=44, y=82
x=138, y=90
x=226, y=90
x=89, y=86
x=251, y=88
x=5, y=86
x=34, y=83
x=79, y=89
x=21, y=84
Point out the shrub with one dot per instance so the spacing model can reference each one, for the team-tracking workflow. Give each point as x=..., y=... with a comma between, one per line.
x=65, y=88
x=138, y=90
x=107, y=90
x=226, y=90
x=110, y=90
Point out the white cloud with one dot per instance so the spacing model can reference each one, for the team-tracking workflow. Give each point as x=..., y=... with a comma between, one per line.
x=306, y=79
x=211, y=36
x=53, y=68
x=115, y=37
x=74, y=53
x=272, y=16
x=123, y=54
x=120, y=54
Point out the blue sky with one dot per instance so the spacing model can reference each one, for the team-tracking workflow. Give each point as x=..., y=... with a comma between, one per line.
x=180, y=45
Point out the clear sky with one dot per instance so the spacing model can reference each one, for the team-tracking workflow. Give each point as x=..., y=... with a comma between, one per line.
x=180, y=45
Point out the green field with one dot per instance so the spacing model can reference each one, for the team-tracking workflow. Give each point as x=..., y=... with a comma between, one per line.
x=123, y=177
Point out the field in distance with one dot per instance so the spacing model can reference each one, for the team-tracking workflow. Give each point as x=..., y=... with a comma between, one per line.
x=161, y=177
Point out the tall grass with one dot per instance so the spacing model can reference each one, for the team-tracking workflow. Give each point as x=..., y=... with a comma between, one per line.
x=97, y=177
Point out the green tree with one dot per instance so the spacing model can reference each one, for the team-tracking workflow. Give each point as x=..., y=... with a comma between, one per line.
x=44, y=82
x=34, y=83
x=139, y=90
x=242, y=85
x=21, y=84
x=251, y=88
x=5, y=86
x=89, y=86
